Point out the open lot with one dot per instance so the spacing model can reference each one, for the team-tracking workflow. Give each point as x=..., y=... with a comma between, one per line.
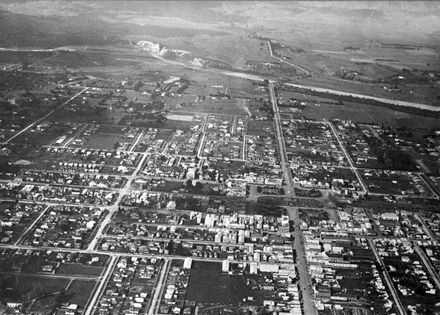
x=80, y=269
x=205, y=275
x=79, y=292
x=386, y=182
x=39, y=293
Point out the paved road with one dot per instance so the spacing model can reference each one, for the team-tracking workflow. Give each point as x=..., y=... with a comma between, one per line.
x=155, y=301
x=25, y=233
x=301, y=264
x=167, y=239
x=348, y=157
x=389, y=282
x=427, y=231
x=434, y=190
x=45, y=116
x=51, y=275
x=74, y=136
x=112, y=209
x=97, y=294
x=434, y=275
x=137, y=140
x=202, y=140
x=38, y=50
x=281, y=144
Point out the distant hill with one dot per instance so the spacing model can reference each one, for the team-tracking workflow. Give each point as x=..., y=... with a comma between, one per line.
x=49, y=32
x=19, y=30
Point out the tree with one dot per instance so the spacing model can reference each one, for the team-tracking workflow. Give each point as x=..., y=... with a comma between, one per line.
x=199, y=186
x=170, y=245
x=138, y=85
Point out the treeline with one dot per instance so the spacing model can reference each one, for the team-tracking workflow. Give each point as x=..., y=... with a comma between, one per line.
x=367, y=101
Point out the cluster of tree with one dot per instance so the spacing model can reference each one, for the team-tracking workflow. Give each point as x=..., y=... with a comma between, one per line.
x=6, y=168
x=390, y=157
x=395, y=159
x=137, y=86
x=313, y=193
x=264, y=190
x=197, y=187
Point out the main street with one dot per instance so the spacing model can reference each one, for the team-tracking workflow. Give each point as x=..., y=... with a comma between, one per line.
x=301, y=264
x=305, y=283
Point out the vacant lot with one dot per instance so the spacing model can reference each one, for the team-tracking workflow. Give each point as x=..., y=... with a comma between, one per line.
x=207, y=284
x=79, y=291
x=219, y=106
x=253, y=207
x=260, y=128
x=40, y=290
x=79, y=269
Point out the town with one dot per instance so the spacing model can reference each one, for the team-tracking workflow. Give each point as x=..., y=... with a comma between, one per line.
x=186, y=188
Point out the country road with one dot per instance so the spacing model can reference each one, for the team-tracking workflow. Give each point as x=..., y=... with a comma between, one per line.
x=286, y=62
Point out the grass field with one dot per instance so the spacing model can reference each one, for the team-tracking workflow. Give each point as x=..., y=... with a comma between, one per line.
x=253, y=207
x=26, y=288
x=261, y=128
x=103, y=141
x=79, y=291
x=167, y=124
x=220, y=106
x=207, y=284
x=79, y=269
